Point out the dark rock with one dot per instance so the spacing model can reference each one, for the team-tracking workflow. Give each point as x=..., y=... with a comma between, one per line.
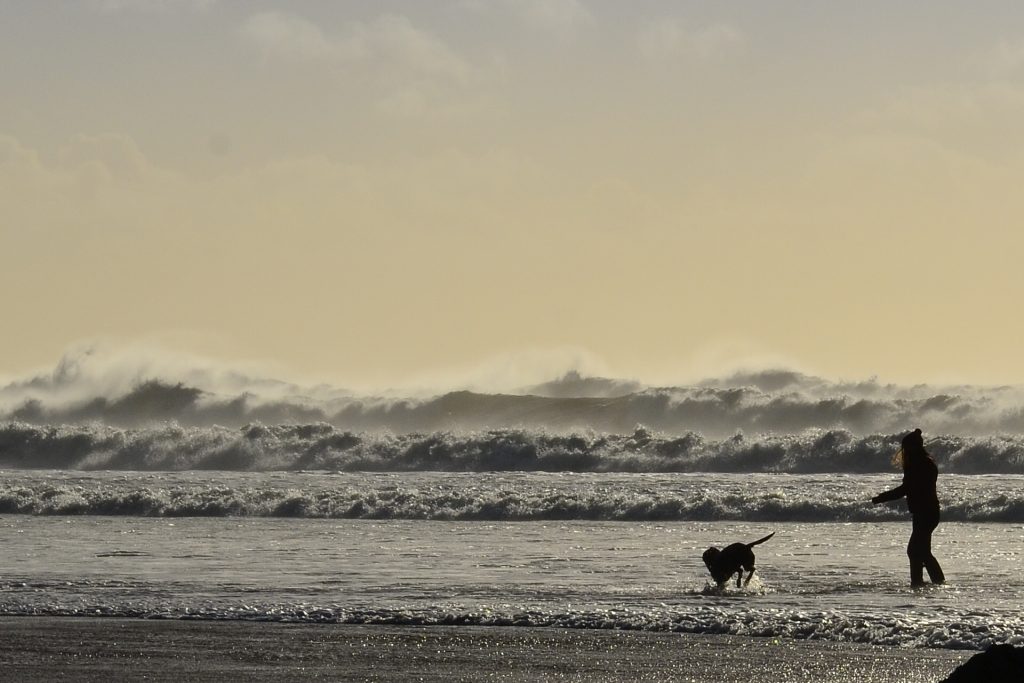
x=997, y=664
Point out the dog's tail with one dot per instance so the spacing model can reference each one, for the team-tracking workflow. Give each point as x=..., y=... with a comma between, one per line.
x=761, y=540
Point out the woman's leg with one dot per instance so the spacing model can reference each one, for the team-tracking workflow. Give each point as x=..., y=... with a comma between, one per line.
x=914, y=550
x=919, y=550
x=930, y=563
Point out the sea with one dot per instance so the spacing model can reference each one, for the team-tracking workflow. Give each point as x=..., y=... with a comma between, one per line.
x=535, y=509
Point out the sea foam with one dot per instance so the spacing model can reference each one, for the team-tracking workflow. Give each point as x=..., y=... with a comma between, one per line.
x=500, y=496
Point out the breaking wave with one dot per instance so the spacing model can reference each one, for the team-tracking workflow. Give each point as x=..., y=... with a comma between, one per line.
x=321, y=446
x=127, y=389
x=499, y=496
x=713, y=411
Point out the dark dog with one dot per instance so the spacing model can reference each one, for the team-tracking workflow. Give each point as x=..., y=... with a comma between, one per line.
x=732, y=559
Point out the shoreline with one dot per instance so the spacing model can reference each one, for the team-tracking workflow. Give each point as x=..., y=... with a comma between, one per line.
x=38, y=648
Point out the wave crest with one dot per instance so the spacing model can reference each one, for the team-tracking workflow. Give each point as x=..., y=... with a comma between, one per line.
x=321, y=446
x=134, y=388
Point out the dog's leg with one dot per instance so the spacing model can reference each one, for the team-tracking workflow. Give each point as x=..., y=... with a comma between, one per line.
x=749, y=576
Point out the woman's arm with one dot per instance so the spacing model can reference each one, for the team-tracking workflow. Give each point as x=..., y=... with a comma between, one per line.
x=894, y=494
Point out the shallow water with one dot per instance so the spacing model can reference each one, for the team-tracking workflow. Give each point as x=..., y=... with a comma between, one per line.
x=842, y=581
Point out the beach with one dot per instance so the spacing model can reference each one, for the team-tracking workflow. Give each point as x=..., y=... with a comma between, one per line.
x=103, y=649
x=510, y=340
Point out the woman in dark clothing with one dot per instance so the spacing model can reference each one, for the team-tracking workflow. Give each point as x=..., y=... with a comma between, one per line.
x=919, y=475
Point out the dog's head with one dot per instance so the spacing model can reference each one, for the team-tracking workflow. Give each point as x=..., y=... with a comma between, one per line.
x=710, y=555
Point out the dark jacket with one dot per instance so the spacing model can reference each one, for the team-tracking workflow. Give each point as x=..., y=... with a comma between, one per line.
x=919, y=475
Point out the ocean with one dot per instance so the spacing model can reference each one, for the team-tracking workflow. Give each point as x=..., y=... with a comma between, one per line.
x=580, y=504
x=566, y=549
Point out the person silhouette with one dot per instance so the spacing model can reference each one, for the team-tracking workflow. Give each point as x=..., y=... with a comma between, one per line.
x=919, y=476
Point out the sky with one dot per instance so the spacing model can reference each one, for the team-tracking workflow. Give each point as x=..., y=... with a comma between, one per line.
x=368, y=192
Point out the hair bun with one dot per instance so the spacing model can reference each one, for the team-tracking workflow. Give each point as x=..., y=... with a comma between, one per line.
x=913, y=440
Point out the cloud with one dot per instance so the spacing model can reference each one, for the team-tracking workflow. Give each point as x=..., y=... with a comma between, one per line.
x=558, y=16
x=389, y=41
x=1004, y=60
x=980, y=120
x=286, y=35
x=671, y=40
x=105, y=168
x=21, y=175
x=118, y=155
x=113, y=6
x=552, y=16
x=14, y=155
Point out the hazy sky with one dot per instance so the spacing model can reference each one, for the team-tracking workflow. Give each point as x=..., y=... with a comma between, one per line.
x=370, y=191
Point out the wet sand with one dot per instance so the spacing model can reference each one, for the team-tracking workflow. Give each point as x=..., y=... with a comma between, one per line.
x=103, y=649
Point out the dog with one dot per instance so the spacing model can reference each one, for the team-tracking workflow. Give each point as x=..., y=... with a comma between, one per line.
x=732, y=559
